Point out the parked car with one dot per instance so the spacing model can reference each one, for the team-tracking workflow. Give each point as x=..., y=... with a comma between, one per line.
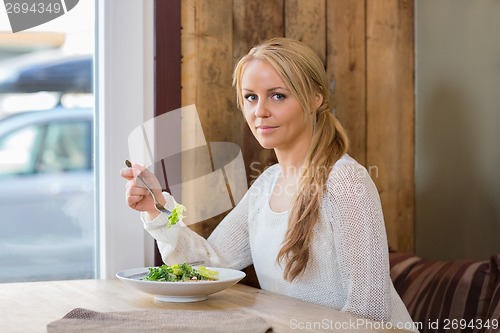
x=47, y=195
x=47, y=71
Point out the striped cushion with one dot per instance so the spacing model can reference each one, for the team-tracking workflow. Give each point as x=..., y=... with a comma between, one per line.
x=494, y=309
x=437, y=290
x=494, y=313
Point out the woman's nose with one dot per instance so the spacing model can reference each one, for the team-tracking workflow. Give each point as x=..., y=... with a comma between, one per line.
x=261, y=110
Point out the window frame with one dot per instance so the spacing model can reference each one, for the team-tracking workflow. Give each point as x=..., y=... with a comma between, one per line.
x=124, y=94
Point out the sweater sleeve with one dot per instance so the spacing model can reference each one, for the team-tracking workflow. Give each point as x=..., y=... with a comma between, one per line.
x=227, y=246
x=354, y=209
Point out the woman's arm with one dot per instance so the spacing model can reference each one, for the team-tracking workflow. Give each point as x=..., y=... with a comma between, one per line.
x=227, y=246
x=360, y=241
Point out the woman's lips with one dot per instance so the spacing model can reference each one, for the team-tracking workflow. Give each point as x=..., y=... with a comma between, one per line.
x=265, y=129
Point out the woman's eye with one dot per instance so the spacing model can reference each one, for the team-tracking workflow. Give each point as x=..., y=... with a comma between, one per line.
x=279, y=96
x=250, y=97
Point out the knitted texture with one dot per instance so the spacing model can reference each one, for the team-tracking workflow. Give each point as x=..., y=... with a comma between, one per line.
x=348, y=266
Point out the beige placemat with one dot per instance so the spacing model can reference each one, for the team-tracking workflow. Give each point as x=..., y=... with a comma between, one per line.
x=217, y=321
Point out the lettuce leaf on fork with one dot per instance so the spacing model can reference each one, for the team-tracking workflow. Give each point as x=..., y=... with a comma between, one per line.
x=176, y=214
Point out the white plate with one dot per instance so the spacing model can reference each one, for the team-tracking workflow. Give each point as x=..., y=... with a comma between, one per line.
x=181, y=291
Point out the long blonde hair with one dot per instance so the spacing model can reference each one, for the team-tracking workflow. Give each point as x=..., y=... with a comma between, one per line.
x=304, y=74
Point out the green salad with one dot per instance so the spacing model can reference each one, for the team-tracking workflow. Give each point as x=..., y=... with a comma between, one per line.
x=181, y=273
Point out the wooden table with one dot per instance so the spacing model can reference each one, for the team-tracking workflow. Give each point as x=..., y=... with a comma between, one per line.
x=30, y=306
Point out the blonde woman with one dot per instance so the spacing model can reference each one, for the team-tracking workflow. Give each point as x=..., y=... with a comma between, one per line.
x=311, y=225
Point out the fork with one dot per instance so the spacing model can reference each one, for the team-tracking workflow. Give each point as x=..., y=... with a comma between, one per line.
x=158, y=205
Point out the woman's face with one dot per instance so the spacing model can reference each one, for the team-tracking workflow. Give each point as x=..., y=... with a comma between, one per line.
x=272, y=112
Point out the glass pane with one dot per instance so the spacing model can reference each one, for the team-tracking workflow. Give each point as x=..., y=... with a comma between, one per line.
x=66, y=147
x=47, y=205
x=47, y=220
x=15, y=151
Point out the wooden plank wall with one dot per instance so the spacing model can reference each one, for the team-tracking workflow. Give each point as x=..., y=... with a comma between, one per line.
x=367, y=47
x=390, y=113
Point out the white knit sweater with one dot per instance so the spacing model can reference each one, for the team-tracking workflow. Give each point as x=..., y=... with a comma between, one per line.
x=348, y=266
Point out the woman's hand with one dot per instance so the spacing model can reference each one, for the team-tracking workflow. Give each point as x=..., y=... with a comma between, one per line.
x=137, y=196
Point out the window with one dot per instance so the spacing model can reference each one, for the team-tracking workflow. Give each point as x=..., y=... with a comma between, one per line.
x=47, y=224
